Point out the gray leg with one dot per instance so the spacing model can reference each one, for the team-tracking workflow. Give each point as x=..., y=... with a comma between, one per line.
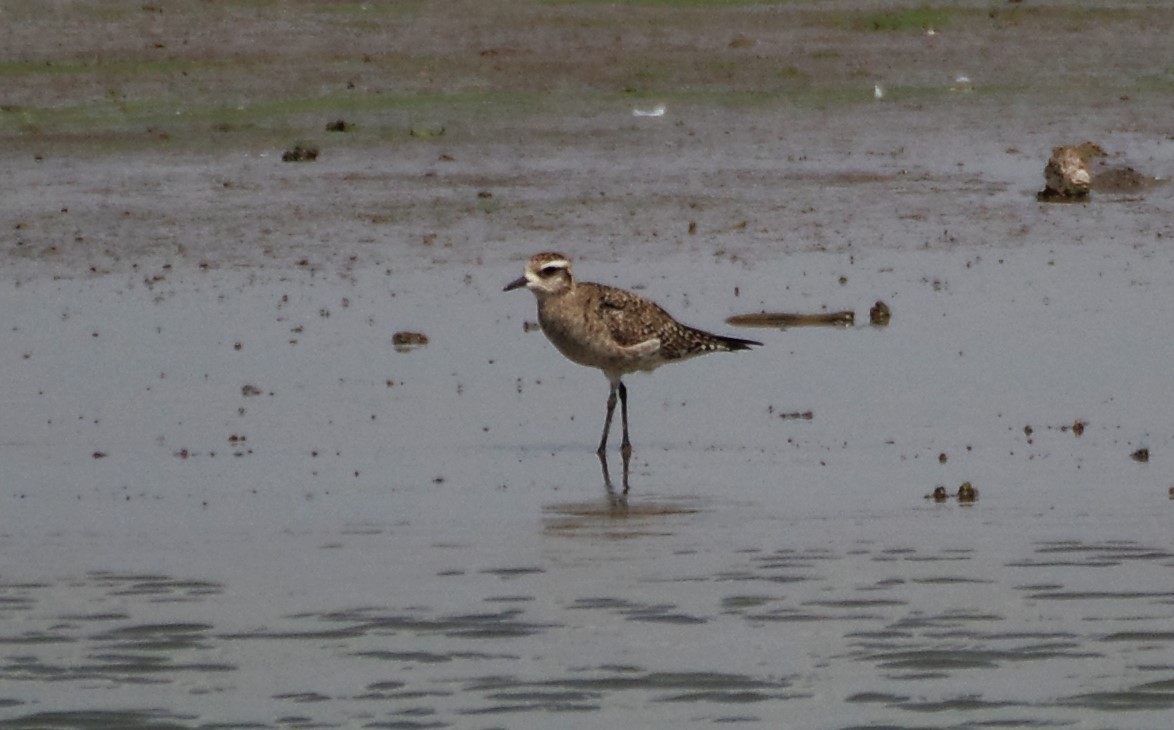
x=626, y=447
x=611, y=408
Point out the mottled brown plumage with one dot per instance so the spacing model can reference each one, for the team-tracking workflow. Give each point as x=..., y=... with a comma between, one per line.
x=611, y=329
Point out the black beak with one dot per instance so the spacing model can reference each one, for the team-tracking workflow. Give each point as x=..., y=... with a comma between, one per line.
x=517, y=283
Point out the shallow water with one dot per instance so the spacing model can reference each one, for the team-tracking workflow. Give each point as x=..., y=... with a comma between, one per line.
x=424, y=539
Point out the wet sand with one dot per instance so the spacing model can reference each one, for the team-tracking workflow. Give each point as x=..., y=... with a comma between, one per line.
x=229, y=500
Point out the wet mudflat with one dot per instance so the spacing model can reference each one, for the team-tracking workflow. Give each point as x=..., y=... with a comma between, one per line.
x=230, y=497
x=270, y=517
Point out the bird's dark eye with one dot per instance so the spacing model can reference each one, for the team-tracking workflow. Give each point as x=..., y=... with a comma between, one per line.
x=548, y=271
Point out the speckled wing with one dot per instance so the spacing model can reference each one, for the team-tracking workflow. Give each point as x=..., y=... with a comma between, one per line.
x=633, y=321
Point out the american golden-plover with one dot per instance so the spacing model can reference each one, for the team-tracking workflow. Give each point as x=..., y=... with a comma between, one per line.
x=611, y=329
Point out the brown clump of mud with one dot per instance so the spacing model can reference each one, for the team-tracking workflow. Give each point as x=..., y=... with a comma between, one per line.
x=879, y=315
x=405, y=341
x=300, y=153
x=843, y=318
x=1122, y=180
x=1110, y=176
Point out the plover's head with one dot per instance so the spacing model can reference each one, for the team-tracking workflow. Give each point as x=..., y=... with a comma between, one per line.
x=545, y=274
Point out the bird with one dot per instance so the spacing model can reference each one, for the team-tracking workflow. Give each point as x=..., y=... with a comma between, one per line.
x=611, y=329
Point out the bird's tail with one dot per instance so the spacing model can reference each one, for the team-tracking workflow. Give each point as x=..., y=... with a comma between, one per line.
x=735, y=343
x=682, y=341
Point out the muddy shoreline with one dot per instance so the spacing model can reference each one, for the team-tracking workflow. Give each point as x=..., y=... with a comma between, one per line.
x=487, y=132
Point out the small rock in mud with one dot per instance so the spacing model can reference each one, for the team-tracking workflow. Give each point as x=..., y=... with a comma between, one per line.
x=880, y=314
x=249, y=390
x=967, y=492
x=1066, y=176
x=300, y=153
x=339, y=125
x=530, y=326
x=939, y=494
x=404, y=341
x=1142, y=455
x=1077, y=428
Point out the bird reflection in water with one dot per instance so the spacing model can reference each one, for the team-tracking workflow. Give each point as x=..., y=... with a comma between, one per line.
x=607, y=483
